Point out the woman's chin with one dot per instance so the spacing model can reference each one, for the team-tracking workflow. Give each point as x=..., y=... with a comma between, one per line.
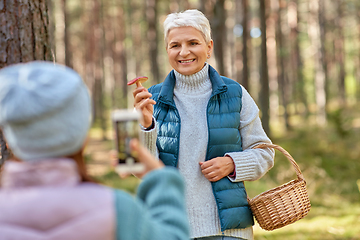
x=187, y=71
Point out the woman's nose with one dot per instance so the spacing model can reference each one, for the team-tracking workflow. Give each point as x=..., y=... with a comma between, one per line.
x=184, y=51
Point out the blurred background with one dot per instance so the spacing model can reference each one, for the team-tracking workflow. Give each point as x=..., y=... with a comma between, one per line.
x=299, y=59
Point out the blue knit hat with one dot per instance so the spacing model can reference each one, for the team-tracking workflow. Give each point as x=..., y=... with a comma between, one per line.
x=44, y=110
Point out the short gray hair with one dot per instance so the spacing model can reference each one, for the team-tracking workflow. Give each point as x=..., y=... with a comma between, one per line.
x=189, y=18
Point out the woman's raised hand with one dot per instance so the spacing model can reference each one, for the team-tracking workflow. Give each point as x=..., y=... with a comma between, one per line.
x=142, y=101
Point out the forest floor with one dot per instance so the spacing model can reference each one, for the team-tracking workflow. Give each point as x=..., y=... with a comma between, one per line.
x=97, y=151
x=329, y=159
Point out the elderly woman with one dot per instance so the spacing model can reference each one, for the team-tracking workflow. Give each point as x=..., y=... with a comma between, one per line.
x=46, y=194
x=205, y=125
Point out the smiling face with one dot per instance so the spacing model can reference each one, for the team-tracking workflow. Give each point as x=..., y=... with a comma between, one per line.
x=187, y=50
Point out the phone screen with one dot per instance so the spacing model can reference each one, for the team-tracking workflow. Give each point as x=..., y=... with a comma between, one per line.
x=126, y=126
x=126, y=130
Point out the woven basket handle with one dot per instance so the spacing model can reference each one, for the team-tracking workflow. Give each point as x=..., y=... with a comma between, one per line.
x=287, y=155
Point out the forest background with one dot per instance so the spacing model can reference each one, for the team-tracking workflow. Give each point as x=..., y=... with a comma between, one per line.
x=299, y=59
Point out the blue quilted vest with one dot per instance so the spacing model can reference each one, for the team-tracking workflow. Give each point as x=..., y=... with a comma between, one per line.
x=223, y=117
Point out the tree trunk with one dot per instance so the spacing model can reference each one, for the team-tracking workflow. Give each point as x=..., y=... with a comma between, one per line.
x=119, y=57
x=24, y=37
x=184, y=5
x=264, y=92
x=238, y=47
x=123, y=55
x=323, y=55
x=219, y=35
x=282, y=66
x=298, y=63
x=152, y=19
x=273, y=62
x=314, y=32
x=68, y=56
x=174, y=6
x=340, y=50
x=202, y=6
x=25, y=32
x=52, y=26
x=358, y=56
x=102, y=75
x=90, y=43
x=136, y=36
x=94, y=63
x=245, y=38
x=205, y=6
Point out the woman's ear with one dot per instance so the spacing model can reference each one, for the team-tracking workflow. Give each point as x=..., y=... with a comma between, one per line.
x=210, y=48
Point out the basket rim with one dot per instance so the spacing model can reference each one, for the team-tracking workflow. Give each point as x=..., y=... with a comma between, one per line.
x=278, y=189
x=300, y=177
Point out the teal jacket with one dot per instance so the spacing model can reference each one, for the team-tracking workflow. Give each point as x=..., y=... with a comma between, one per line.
x=158, y=212
x=223, y=116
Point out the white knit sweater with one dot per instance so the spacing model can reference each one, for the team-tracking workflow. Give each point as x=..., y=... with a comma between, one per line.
x=191, y=96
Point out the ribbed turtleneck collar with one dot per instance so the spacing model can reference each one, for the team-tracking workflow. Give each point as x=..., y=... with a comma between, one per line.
x=196, y=83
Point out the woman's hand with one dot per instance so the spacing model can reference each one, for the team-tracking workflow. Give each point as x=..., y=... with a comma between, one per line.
x=217, y=168
x=144, y=104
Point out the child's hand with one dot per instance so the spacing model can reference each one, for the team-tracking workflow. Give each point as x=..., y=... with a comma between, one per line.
x=114, y=161
x=145, y=157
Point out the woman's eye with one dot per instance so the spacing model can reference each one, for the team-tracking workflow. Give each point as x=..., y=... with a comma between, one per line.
x=194, y=43
x=174, y=46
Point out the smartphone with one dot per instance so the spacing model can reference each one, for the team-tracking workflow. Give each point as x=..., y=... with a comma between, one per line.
x=126, y=127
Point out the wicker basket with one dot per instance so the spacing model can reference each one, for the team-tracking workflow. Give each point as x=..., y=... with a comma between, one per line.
x=282, y=205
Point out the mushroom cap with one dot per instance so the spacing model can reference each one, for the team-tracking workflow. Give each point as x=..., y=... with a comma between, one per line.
x=138, y=79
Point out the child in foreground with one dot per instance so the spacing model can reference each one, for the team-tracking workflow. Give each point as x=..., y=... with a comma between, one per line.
x=46, y=194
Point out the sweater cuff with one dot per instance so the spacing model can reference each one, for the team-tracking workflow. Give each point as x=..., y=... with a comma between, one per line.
x=152, y=126
x=245, y=166
x=148, y=139
x=232, y=176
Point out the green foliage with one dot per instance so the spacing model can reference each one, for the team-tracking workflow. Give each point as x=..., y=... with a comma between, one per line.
x=340, y=122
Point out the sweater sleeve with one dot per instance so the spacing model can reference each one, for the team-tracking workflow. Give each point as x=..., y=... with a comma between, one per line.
x=148, y=139
x=158, y=211
x=251, y=164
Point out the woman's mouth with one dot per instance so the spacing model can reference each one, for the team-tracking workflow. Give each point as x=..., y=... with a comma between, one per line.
x=186, y=61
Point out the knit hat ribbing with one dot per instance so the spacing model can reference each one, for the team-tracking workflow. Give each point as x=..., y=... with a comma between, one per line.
x=44, y=110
